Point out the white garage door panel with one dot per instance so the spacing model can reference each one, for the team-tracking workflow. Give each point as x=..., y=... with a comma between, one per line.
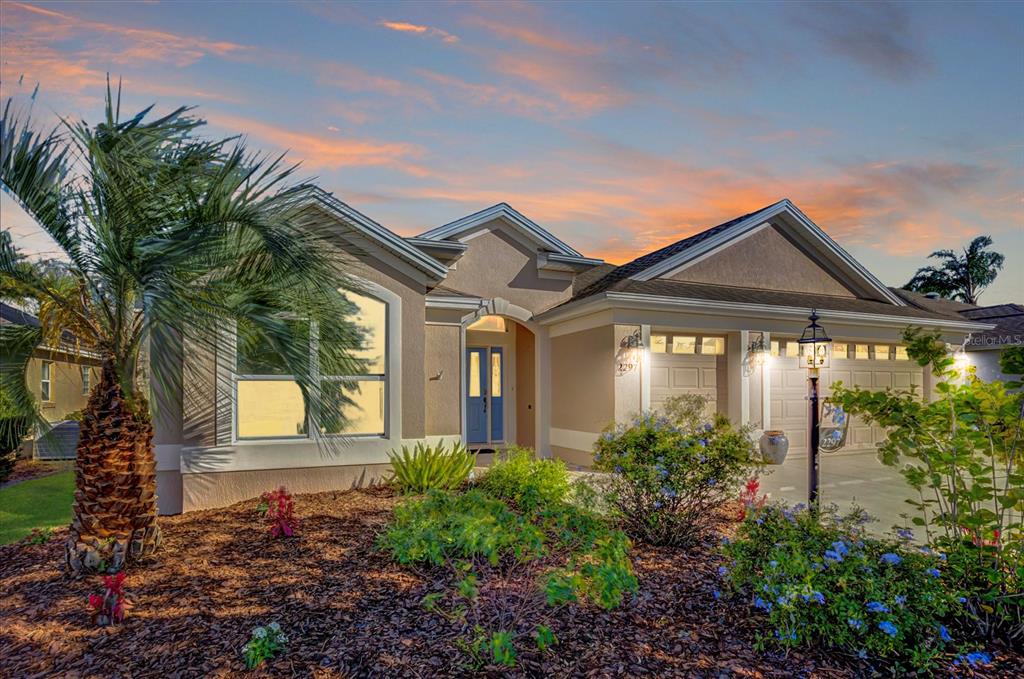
x=676, y=374
x=789, y=395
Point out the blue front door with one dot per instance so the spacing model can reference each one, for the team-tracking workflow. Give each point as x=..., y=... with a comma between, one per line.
x=476, y=395
x=497, y=400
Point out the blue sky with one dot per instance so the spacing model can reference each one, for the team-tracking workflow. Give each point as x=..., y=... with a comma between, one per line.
x=620, y=127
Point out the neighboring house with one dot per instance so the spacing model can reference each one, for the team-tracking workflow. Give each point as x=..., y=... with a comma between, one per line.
x=59, y=377
x=983, y=348
x=492, y=331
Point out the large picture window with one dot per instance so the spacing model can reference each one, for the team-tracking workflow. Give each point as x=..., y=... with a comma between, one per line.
x=270, y=404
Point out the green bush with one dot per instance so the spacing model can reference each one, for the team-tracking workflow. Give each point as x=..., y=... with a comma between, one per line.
x=665, y=482
x=687, y=411
x=526, y=482
x=959, y=452
x=431, y=467
x=492, y=549
x=821, y=580
x=12, y=430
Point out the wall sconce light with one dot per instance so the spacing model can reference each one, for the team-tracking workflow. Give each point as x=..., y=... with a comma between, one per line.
x=758, y=352
x=631, y=348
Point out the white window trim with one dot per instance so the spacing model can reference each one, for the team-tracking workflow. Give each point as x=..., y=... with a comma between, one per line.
x=391, y=378
x=86, y=373
x=46, y=377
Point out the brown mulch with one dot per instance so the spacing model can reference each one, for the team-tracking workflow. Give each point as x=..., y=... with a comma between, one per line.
x=350, y=611
x=33, y=469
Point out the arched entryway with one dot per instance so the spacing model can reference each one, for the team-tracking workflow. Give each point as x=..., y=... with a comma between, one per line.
x=501, y=385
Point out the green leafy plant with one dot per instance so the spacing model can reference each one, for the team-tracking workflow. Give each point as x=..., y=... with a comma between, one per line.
x=820, y=579
x=500, y=556
x=39, y=536
x=13, y=427
x=264, y=644
x=689, y=412
x=526, y=482
x=431, y=467
x=665, y=482
x=958, y=451
x=545, y=638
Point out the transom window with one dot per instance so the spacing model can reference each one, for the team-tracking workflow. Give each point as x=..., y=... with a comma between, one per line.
x=269, y=401
x=687, y=344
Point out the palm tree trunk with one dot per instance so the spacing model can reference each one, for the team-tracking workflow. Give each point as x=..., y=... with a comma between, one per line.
x=113, y=520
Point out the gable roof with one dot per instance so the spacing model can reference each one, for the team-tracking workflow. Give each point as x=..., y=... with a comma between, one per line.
x=510, y=215
x=678, y=254
x=374, y=232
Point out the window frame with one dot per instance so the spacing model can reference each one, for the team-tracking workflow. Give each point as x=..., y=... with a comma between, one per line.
x=86, y=373
x=46, y=377
x=313, y=434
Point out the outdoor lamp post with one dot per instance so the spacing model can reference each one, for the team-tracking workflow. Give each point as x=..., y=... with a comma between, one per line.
x=814, y=343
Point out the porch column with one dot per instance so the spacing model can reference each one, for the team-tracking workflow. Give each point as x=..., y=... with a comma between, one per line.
x=766, y=385
x=738, y=382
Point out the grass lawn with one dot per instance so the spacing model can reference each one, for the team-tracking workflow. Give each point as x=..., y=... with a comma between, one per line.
x=38, y=503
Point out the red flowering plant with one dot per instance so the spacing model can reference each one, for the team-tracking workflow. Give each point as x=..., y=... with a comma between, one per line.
x=280, y=512
x=750, y=499
x=112, y=606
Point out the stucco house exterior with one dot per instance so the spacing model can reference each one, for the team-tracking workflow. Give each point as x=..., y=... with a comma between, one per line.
x=983, y=349
x=491, y=330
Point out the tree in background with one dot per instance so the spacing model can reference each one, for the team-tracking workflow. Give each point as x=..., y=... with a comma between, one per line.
x=170, y=239
x=962, y=278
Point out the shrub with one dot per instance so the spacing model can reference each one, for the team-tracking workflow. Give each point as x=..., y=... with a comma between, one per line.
x=111, y=607
x=279, y=513
x=665, y=482
x=13, y=429
x=496, y=554
x=526, y=482
x=821, y=580
x=265, y=643
x=959, y=452
x=430, y=467
x=689, y=412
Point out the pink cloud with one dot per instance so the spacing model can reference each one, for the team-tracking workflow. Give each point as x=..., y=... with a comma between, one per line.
x=406, y=27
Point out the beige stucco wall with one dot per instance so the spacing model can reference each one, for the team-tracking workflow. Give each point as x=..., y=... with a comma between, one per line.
x=765, y=260
x=219, y=489
x=65, y=384
x=526, y=382
x=497, y=264
x=582, y=373
x=443, y=380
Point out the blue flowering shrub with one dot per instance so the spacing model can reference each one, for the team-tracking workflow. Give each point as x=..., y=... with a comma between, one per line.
x=820, y=579
x=665, y=480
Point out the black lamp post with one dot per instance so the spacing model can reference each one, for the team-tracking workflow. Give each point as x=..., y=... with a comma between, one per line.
x=814, y=355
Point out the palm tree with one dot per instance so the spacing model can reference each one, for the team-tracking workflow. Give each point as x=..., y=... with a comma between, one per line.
x=170, y=238
x=961, y=278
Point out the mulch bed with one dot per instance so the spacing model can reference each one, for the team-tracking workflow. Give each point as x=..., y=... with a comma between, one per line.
x=34, y=469
x=350, y=611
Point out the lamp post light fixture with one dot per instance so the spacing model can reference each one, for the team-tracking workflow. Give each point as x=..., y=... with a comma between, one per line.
x=814, y=355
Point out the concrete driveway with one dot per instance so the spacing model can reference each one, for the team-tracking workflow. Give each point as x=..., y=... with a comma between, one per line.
x=846, y=479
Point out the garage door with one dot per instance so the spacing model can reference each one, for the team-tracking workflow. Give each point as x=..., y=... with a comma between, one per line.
x=685, y=364
x=869, y=366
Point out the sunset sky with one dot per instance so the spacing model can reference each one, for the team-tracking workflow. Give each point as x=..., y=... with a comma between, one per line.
x=899, y=129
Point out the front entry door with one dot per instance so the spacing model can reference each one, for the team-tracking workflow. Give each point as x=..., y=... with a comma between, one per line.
x=476, y=396
x=485, y=386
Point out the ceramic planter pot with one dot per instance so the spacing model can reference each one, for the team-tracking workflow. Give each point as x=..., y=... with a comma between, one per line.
x=774, y=446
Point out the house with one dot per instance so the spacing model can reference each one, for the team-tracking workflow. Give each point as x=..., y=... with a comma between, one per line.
x=59, y=377
x=491, y=330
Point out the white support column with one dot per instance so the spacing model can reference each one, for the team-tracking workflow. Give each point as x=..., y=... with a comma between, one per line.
x=645, y=368
x=738, y=390
x=766, y=384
